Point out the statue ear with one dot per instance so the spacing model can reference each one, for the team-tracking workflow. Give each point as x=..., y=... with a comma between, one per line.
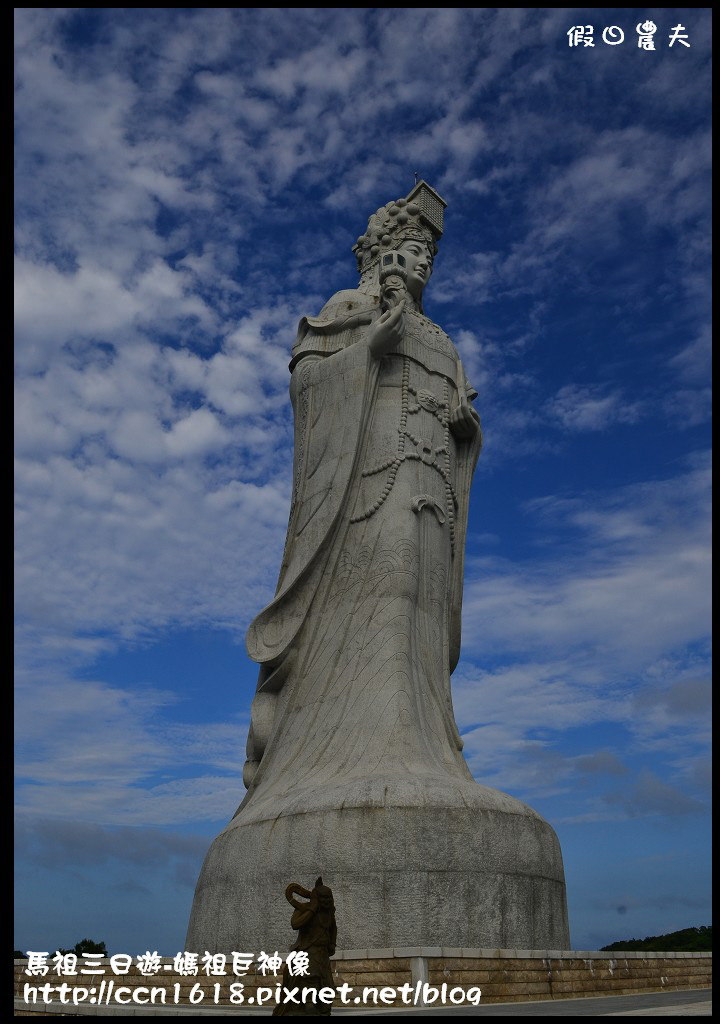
x=318, y=882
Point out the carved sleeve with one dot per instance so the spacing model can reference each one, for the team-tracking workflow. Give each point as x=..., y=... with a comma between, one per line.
x=299, y=384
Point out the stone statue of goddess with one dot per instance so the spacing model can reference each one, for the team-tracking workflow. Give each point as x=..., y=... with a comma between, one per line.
x=354, y=765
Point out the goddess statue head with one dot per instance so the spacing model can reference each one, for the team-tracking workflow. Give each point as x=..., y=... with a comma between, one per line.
x=418, y=218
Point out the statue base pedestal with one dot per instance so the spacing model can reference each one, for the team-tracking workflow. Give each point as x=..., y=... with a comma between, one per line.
x=411, y=862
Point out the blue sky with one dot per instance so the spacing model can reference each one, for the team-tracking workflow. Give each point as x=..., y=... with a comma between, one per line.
x=189, y=183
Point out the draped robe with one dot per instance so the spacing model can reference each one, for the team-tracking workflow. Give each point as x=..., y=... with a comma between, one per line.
x=358, y=645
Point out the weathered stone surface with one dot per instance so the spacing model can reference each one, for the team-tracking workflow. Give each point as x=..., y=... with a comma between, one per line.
x=389, y=870
x=401, y=964
x=354, y=763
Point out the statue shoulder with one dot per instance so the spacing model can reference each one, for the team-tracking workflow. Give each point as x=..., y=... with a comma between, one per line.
x=347, y=302
x=336, y=324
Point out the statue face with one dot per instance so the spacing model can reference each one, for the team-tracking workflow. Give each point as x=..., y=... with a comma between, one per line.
x=418, y=262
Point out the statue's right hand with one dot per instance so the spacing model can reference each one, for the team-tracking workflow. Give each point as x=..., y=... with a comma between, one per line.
x=387, y=331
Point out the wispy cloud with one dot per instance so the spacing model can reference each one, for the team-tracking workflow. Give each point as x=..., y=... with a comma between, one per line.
x=650, y=795
x=613, y=633
x=633, y=582
x=95, y=753
x=586, y=408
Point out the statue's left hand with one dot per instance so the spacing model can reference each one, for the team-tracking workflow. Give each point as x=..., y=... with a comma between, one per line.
x=464, y=421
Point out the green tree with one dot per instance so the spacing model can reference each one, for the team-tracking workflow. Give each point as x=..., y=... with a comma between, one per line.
x=87, y=946
x=687, y=940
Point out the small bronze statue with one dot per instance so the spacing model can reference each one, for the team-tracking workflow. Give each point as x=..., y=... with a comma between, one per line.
x=317, y=935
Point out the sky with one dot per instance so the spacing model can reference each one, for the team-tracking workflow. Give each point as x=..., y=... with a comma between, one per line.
x=189, y=183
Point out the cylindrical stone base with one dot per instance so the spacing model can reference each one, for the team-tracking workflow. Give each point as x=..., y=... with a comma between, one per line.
x=410, y=864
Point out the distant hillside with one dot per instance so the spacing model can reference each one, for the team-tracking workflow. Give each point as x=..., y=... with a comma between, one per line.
x=687, y=940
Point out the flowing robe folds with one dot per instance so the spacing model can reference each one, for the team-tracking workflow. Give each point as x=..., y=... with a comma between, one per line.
x=354, y=768
x=359, y=643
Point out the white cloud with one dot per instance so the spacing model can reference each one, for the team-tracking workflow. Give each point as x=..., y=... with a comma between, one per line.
x=123, y=547
x=139, y=437
x=88, y=751
x=636, y=587
x=591, y=408
x=205, y=798
x=614, y=632
x=694, y=361
x=197, y=433
x=51, y=307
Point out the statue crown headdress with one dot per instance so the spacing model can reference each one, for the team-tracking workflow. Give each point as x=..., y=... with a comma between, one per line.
x=419, y=215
